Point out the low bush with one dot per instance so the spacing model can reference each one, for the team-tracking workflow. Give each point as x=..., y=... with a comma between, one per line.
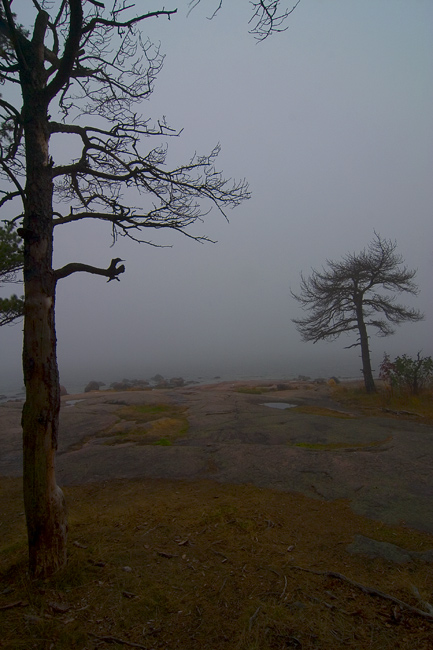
x=406, y=373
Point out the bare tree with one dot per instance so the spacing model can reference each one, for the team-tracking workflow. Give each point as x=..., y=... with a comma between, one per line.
x=80, y=60
x=355, y=293
x=11, y=265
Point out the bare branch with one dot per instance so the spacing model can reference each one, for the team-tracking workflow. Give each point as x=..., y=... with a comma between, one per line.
x=112, y=272
x=267, y=20
x=127, y=23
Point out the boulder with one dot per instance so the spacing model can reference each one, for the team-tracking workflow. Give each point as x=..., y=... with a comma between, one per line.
x=93, y=385
x=177, y=382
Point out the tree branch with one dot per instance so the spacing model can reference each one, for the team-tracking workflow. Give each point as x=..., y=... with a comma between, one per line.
x=112, y=272
x=72, y=47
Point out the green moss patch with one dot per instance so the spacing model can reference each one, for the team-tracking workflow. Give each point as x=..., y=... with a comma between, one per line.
x=148, y=424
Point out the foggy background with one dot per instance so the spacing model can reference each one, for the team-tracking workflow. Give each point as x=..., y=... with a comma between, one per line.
x=330, y=123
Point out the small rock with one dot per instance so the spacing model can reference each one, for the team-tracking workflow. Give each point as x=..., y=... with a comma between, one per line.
x=59, y=608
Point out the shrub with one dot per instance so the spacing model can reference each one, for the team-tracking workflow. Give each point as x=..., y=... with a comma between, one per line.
x=407, y=373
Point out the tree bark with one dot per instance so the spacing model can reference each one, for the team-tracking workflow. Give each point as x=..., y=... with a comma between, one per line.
x=370, y=386
x=43, y=499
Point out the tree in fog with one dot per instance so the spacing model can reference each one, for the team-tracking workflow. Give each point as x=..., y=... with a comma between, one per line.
x=83, y=71
x=356, y=293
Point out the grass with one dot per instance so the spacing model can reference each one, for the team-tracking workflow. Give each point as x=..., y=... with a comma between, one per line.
x=204, y=566
x=386, y=399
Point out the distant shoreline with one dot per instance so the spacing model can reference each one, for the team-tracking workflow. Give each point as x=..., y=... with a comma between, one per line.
x=18, y=394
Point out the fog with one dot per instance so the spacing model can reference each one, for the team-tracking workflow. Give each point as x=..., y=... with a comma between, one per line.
x=330, y=123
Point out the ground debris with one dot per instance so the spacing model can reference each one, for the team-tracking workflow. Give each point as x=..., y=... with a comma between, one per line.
x=369, y=590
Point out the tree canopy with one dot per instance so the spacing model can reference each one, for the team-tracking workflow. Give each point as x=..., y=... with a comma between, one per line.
x=355, y=293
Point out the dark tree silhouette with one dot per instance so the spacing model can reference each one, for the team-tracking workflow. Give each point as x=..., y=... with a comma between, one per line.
x=355, y=293
x=82, y=71
x=11, y=264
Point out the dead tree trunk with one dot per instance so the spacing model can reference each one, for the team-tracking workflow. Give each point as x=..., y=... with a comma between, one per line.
x=43, y=499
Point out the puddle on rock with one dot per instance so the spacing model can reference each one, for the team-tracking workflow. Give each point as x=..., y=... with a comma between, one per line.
x=279, y=405
x=72, y=402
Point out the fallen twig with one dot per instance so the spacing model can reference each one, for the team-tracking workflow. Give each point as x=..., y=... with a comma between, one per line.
x=220, y=554
x=285, y=587
x=167, y=555
x=113, y=639
x=223, y=585
x=253, y=617
x=368, y=590
x=17, y=603
x=332, y=606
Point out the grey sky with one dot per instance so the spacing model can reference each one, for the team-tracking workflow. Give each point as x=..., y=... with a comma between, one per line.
x=330, y=122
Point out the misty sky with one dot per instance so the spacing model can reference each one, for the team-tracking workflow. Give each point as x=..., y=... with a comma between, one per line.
x=330, y=122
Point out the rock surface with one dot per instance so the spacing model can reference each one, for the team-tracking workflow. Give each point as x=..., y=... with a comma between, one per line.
x=382, y=465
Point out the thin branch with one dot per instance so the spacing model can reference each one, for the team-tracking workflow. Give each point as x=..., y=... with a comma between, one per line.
x=114, y=639
x=128, y=23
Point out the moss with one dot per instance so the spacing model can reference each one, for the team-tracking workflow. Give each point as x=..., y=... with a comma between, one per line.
x=150, y=424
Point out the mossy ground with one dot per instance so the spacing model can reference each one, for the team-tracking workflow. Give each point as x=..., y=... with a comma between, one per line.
x=204, y=566
x=148, y=424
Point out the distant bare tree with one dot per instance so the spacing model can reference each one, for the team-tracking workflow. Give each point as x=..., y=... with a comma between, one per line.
x=356, y=293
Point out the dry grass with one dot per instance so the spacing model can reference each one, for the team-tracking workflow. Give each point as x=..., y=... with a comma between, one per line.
x=199, y=565
x=392, y=402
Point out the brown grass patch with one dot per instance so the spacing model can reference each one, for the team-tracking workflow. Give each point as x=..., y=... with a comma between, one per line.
x=199, y=565
x=399, y=404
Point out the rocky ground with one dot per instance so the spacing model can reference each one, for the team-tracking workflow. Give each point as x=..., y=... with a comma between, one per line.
x=226, y=433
